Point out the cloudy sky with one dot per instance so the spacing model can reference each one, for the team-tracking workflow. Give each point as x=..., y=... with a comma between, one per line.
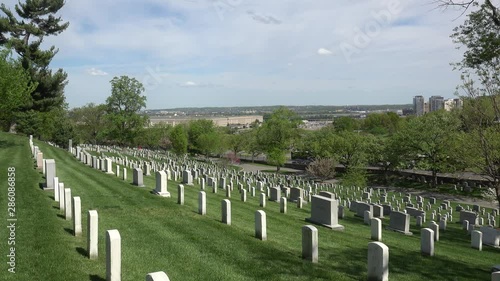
x=194, y=53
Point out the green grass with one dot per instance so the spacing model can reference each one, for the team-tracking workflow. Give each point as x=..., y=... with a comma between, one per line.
x=160, y=235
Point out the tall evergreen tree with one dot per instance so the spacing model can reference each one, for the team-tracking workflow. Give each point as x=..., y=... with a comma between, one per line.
x=25, y=33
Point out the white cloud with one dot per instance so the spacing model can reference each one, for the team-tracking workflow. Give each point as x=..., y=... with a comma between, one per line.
x=96, y=72
x=324, y=52
x=190, y=84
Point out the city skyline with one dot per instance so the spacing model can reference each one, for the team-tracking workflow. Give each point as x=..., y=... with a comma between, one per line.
x=202, y=53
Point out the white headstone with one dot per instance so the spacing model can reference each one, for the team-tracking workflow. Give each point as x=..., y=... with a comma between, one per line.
x=157, y=276
x=50, y=173
x=427, y=241
x=310, y=243
x=61, y=196
x=56, y=189
x=180, y=194
x=113, y=255
x=376, y=229
x=92, y=236
x=283, y=203
x=202, y=203
x=477, y=240
x=226, y=211
x=77, y=216
x=260, y=225
x=161, y=184
x=67, y=203
x=378, y=261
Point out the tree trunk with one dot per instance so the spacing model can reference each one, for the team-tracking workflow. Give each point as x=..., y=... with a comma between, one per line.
x=434, y=179
x=278, y=168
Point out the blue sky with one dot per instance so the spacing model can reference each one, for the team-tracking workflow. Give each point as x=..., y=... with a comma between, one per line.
x=194, y=53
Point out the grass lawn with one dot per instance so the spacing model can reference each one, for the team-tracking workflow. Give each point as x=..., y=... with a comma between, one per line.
x=160, y=235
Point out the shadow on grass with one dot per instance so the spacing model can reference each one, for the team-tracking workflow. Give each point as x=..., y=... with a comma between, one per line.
x=82, y=251
x=61, y=216
x=8, y=144
x=70, y=231
x=93, y=277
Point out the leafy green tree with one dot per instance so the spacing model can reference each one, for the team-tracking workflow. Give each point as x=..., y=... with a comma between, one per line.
x=90, y=123
x=179, y=139
x=196, y=129
x=345, y=123
x=278, y=134
x=251, y=144
x=15, y=89
x=25, y=33
x=431, y=141
x=381, y=123
x=236, y=142
x=123, y=109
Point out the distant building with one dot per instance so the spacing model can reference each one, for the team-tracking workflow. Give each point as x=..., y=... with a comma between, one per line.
x=419, y=105
x=241, y=121
x=436, y=103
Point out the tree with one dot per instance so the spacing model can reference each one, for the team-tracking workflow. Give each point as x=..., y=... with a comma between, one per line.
x=179, y=139
x=15, y=89
x=90, y=122
x=381, y=123
x=322, y=168
x=196, y=129
x=25, y=34
x=345, y=123
x=431, y=141
x=277, y=135
x=123, y=107
x=479, y=35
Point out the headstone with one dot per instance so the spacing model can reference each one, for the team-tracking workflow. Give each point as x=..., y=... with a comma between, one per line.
x=275, y=194
x=376, y=229
x=367, y=216
x=113, y=255
x=124, y=176
x=477, y=240
x=472, y=217
x=67, y=204
x=39, y=160
x=262, y=200
x=61, y=196
x=310, y=243
x=300, y=203
x=50, y=173
x=202, y=203
x=400, y=222
x=419, y=221
x=109, y=166
x=161, y=184
x=77, y=216
x=324, y=211
x=296, y=193
x=226, y=211
x=157, y=276
x=435, y=227
x=427, y=242
x=56, y=189
x=283, y=204
x=92, y=236
x=361, y=207
x=138, y=177
x=243, y=195
x=378, y=261
x=180, y=194
x=187, y=177
x=260, y=225
x=491, y=236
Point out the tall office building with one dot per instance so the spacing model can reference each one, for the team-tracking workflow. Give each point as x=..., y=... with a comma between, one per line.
x=418, y=105
x=436, y=103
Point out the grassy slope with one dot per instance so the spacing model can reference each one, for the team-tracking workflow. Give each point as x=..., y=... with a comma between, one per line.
x=157, y=234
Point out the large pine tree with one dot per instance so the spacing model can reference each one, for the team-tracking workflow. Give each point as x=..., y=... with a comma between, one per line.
x=25, y=33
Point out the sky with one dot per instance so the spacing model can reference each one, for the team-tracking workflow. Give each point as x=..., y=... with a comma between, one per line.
x=200, y=53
